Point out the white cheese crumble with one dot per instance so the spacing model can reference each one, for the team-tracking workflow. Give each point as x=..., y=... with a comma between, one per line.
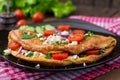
x=28, y=52
x=73, y=57
x=37, y=53
x=42, y=38
x=7, y=51
x=73, y=43
x=37, y=66
x=39, y=35
x=64, y=41
x=28, y=33
x=64, y=33
x=52, y=39
x=84, y=64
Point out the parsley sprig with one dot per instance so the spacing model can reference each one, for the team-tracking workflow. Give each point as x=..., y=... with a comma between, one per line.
x=88, y=34
x=48, y=56
x=27, y=36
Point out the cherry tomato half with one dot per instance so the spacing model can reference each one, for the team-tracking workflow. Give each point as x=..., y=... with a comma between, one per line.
x=48, y=32
x=78, y=31
x=60, y=56
x=13, y=45
x=63, y=27
x=92, y=52
x=76, y=37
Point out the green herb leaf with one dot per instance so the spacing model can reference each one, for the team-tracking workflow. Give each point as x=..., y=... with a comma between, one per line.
x=101, y=51
x=48, y=56
x=57, y=44
x=88, y=34
x=26, y=36
x=30, y=54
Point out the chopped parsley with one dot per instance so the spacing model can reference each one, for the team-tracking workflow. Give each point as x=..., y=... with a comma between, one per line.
x=57, y=44
x=101, y=51
x=88, y=34
x=30, y=54
x=27, y=36
x=48, y=56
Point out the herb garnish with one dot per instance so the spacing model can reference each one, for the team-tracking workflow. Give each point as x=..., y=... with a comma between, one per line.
x=101, y=51
x=88, y=34
x=48, y=56
x=58, y=44
x=30, y=54
x=27, y=36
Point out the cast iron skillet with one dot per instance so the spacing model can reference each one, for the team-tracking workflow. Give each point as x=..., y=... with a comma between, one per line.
x=74, y=24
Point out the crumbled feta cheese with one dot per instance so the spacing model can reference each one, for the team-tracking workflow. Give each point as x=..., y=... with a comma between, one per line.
x=73, y=43
x=37, y=66
x=64, y=33
x=27, y=53
x=28, y=33
x=37, y=53
x=39, y=35
x=65, y=41
x=41, y=54
x=42, y=39
x=52, y=39
x=84, y=64
x=73, y=57
x=7, y=51
x=57, y=38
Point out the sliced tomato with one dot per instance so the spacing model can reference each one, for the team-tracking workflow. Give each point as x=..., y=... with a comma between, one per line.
x=92, y=52
x=48, y=32
x=60, y=56
x=13, y=45
x=75, y=37
x=76, y=31
x=63, y=27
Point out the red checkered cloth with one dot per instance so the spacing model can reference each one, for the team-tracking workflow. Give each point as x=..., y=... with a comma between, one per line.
x=8, y=72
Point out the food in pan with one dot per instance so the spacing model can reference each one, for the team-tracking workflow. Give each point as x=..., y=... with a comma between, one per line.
x=58, y=46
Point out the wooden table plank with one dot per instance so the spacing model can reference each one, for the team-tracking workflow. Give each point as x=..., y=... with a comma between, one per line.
x=95, y=11
x=112, y=75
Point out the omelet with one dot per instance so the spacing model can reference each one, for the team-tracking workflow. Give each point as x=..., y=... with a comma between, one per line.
x=77, y=53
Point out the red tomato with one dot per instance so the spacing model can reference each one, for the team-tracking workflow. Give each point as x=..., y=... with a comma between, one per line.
x=13, y=45
x=63, y=27
x=21, y=22
x=92, y=52
x=60, y=56
x=75, y=37
x=49, y=32
x=78, y=31
x=19, y=14
x=38, y=17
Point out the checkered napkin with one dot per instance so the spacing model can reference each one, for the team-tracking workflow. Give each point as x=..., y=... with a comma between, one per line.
x=8, y=72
